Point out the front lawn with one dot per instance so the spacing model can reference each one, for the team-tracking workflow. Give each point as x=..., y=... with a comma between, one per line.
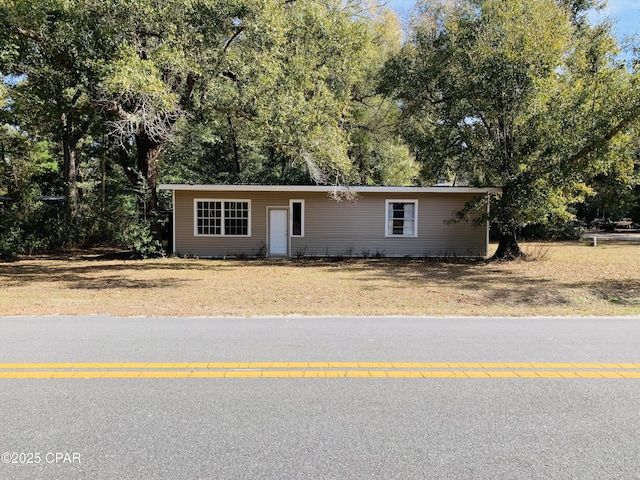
x=558, y=279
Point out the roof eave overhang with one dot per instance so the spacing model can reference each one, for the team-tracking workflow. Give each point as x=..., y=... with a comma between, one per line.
x=327, y=189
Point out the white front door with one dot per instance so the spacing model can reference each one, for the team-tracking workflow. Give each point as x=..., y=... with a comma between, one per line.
x=278, y=234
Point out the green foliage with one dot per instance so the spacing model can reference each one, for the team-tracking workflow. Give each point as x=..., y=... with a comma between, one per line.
x=553, y=229
x=27, y=166
x=296, y=102
x=103, y=92
x=100, y=99
x=10, y=240
x=515, y=94
x=31, y=226
x=615, y=184
x=139, y=239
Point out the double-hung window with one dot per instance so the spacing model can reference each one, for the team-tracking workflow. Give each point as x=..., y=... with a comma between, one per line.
x=401, y=218
x=222, y=217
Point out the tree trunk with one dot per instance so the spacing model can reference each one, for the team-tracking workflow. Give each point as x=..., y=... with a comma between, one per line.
x=103, y=177
x=70, y=155
x=148, y=152
x=508, y=248
x=8, y=172
x=233, y=140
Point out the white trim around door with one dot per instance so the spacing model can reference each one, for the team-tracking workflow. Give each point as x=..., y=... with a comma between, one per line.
x=277, y=232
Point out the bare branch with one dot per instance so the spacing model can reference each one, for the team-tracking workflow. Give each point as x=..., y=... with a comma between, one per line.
x=231, y=39
x=145, y=118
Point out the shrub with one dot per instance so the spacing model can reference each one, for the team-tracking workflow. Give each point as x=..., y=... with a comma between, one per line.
x=140, y=240
x=31, y=227
x=558, y=230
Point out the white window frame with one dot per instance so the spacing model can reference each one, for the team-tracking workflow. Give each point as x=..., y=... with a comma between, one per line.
x=222, y=219
x=388, y=229
x=291, y=202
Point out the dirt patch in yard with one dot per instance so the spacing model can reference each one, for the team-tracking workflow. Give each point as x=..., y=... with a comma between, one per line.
x=556, y=279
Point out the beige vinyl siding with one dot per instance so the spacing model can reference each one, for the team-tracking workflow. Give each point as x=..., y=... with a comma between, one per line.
x=358, y=229
x=186, y=243
x=337, y=228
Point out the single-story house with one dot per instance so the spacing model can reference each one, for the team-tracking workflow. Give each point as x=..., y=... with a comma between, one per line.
x=306, y=221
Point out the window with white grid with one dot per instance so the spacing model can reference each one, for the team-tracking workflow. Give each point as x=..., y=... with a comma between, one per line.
x=222, y=217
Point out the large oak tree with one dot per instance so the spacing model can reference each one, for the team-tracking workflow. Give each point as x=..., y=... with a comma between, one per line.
x=521, y=94
x=274, y=75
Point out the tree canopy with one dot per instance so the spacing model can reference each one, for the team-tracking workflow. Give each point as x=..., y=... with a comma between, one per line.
x=205, y=90
x=515, y=94
x=102, y=99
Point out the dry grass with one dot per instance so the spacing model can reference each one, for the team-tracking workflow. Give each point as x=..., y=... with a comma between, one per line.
x=558, y=279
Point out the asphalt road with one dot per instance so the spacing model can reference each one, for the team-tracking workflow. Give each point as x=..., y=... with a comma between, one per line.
x=319, y=428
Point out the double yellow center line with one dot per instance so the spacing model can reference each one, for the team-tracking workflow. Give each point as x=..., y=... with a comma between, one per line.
x=319, y=370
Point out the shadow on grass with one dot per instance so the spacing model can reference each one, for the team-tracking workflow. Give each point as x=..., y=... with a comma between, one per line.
x=80, y=278
x=498, y=285
x=494, y=283
x=625, y=293
x=91, y=272
x=93, y=275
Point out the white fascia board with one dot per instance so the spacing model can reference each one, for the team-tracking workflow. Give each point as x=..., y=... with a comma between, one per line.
x=325, y=189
